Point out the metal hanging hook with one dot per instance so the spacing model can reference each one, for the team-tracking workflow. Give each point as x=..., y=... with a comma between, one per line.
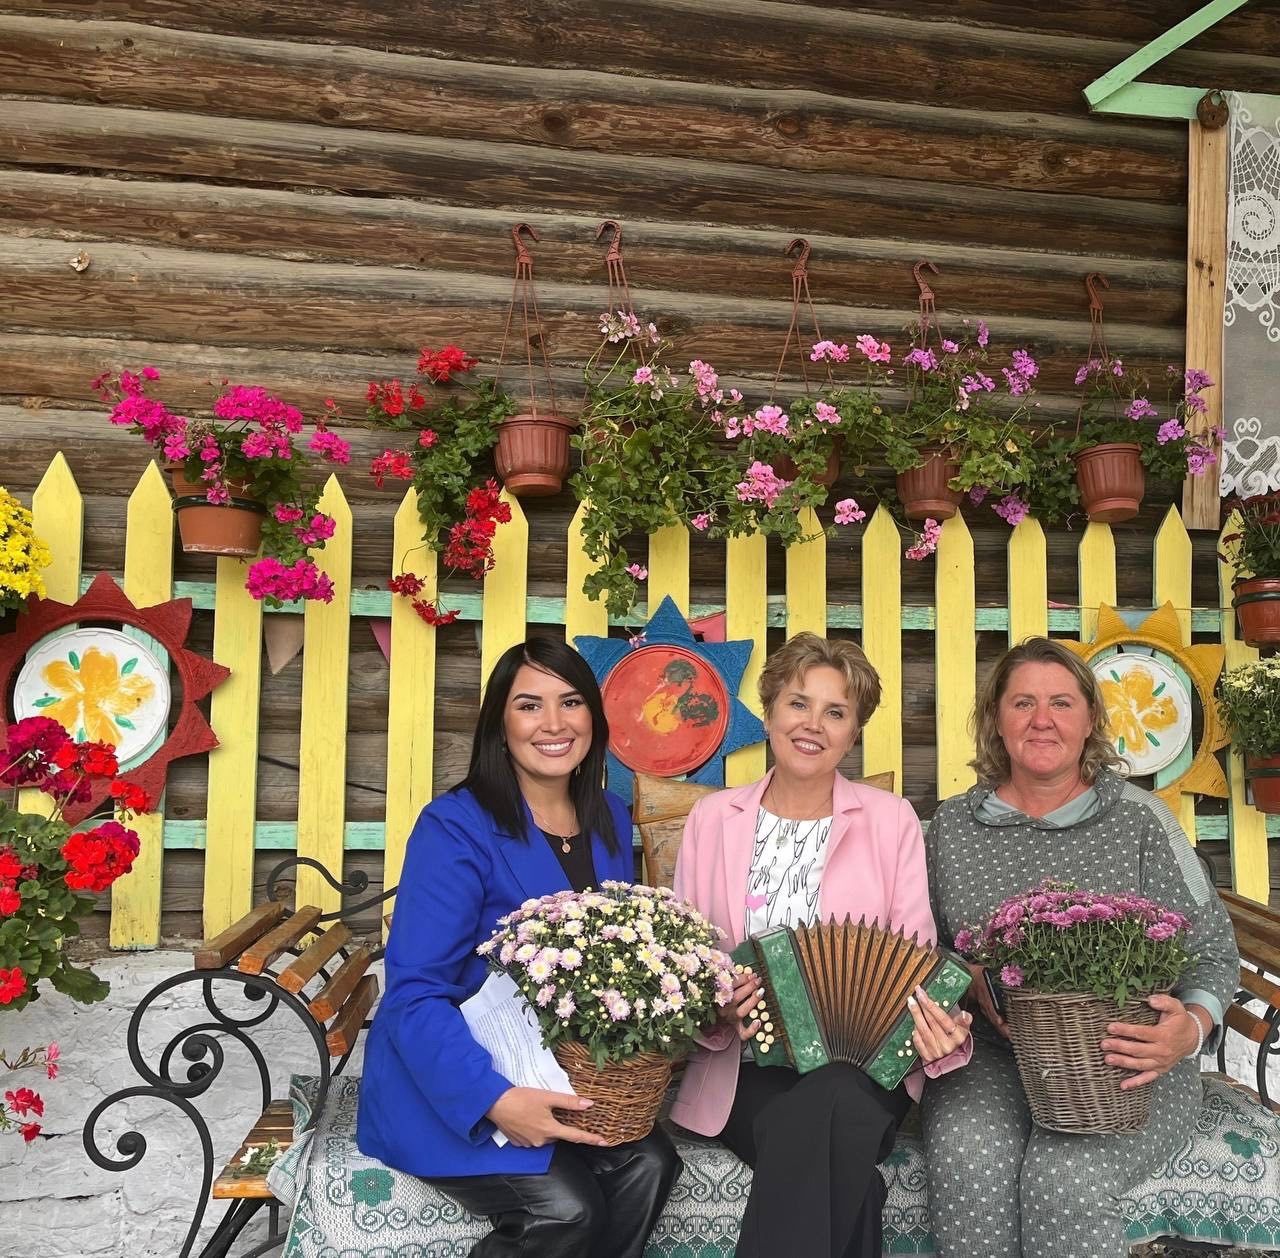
x=615, y=245
x=1091, y=282
x=523, y=257
x=801, y=268
x=926, y=293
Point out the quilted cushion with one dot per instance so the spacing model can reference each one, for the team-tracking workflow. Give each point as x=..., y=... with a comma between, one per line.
x=1223, y=1186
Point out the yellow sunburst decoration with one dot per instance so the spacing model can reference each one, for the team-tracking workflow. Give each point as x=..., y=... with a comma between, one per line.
x=1148, y=706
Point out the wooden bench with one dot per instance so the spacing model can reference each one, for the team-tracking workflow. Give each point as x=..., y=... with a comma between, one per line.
x=277, y=955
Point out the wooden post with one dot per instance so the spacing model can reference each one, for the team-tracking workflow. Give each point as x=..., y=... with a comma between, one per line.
x=1206, y=293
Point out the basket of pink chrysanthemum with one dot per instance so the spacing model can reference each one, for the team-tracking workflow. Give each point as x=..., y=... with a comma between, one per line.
x=619, y=981
x=1068, y=963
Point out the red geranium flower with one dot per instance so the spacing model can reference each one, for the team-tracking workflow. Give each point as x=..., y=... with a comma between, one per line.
x=440, y=365
x=10, y=900
x=13, y=983
x=24, y=1101
x=29, y=1131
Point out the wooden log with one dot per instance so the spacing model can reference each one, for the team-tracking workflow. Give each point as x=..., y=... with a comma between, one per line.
x=233, y=1183
x=309, y=964
x=500, y=174
x=334, y=993
x=271, y=945
x=225, y=946
x=899, y=58
x=139, y=67
x=302, y=226
x=345, y=1030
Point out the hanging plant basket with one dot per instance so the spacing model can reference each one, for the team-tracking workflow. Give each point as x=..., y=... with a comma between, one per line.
x=532, y=455
x=1263, y=774
x=233, y=528
x=1069, y=1085
x=1257, y=604
x=786, y=468
x=627, y=1094
x=924, y=490
x=1111, y=481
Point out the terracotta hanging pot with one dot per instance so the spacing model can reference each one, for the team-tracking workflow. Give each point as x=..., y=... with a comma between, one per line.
x=1263, y=774
x=786, y=468
x=1111, y=481
x=234, y=528
x=924, y=490
x=1257, y=604
x=532, y=456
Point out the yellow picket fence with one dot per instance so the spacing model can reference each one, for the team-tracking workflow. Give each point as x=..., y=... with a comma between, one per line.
x=230, y=833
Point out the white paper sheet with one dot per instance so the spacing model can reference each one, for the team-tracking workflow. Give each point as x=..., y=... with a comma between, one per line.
x=505, y=1028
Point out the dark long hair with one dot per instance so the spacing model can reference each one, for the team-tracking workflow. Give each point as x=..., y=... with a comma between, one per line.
x=491, y=777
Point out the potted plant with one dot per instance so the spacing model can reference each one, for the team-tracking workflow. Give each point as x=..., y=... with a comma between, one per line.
x=949, y=439
x=619, y=981
x=50, y=874
x=1068, y=963
x=239, y=479
x=1249, y=702
x=453, y=426
x=649, y=445
x=1119, y=438
x=22, y=555
x=1254, y=551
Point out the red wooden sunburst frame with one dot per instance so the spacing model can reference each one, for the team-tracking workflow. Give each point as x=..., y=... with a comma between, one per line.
x=169, y=623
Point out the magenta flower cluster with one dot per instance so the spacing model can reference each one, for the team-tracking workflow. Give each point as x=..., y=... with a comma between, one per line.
x=1057, y=938
x=628, y=968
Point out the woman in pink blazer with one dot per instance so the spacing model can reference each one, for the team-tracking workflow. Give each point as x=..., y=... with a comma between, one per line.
x=801, y=845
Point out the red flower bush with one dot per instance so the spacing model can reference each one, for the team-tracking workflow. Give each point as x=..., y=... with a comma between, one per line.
x=20, y=1103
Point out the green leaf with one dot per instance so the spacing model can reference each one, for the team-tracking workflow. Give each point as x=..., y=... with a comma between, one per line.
x=129, y=666
x=46, y=701
x=75, y=660
x=82, y=985
x=124, y=722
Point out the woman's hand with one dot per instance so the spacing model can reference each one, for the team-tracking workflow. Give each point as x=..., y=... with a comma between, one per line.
x=980, y=992
x=937, y=1032
x=524, y=1116
x=747, y=993
x=1154, y=1050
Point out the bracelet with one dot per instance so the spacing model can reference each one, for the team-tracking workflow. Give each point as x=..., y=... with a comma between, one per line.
x=1199, y=1048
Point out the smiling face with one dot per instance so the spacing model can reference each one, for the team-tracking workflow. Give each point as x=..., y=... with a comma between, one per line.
x=1044, y=720
x=811, y=725
x=547, y=725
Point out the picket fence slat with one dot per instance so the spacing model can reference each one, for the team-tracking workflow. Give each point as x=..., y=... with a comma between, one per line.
x=1096, y=576
x=807, y=578
x=583, y=617
x=669, y=567
x=1028, y=580
x=955, y=656
x=322, y=751
x=411, y=703
x=1171, y=583
x=745, y=586
x=882, y=643
x=148, y=579
x=505, y=590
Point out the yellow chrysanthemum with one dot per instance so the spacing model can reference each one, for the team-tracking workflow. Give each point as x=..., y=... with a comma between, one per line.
x=22, y=553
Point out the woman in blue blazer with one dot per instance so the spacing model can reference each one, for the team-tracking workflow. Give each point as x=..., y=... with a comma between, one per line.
x=531, y=818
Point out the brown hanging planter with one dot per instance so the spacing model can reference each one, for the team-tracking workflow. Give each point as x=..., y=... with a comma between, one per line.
x=1263, y=774
x=1111, y=481
x=1257, y=604
x=234, y=528
x=532, y=456
x=924, y=491
x=786, y=468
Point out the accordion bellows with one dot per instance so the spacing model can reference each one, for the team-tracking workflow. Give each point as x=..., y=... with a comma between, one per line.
x=837, y=991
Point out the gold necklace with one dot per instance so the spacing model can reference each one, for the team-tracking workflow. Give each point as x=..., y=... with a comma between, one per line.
x=565, y=839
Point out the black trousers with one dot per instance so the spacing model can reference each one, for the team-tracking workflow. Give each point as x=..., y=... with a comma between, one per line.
x=813, y=1142
x=591, y=1203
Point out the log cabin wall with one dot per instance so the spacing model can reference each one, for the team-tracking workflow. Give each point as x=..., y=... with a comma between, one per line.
x=300, y=196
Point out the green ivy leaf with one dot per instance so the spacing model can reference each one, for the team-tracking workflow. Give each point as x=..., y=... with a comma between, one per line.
x=75, y=660
x=128, y=666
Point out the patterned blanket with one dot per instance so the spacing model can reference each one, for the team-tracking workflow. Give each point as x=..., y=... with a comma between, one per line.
x=1223, y=1186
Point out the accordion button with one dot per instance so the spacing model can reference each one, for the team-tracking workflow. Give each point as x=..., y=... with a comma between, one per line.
x=768, y=1039
x=760, y=1035
x=768, y=1026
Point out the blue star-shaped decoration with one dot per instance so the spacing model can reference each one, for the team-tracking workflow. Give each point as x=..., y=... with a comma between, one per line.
x=729, y=660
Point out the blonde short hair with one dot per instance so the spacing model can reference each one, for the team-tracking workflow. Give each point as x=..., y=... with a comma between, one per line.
x=798, y=655
x=991, y=763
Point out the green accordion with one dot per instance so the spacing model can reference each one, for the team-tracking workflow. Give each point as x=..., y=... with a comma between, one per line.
x=837, y=991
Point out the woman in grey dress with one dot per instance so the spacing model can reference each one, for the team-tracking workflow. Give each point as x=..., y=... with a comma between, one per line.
x=1051, y=803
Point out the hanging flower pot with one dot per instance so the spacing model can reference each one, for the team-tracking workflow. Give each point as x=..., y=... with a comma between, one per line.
x=1257, y=604
x=232, y=528
x=1263, y=774
x=924, y=490
x=532, y=455
x=1111, y=481
x=786, y=468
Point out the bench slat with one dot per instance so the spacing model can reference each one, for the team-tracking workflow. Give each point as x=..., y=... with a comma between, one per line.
x=1246, y=1023
x=1260, y=987
x=330, y=997
x=345, y=1029
x=307, y=966
x=223, y=948
x=272, y=944
x=1260, y=951
x=277, y=1122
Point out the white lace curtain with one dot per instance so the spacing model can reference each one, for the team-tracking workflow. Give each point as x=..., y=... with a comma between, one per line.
x=1251, y=349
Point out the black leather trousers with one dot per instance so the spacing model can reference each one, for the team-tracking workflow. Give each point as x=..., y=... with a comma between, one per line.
x=591, y=1203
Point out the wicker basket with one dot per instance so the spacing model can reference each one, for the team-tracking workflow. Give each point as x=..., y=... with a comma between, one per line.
x=627, y=1093
x=1068, y=1084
